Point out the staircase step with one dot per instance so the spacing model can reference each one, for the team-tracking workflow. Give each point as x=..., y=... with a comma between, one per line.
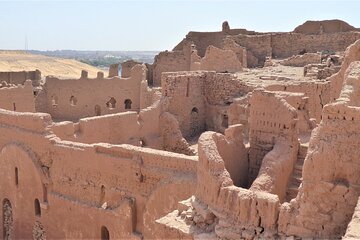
x=298, y=167
x=292, y=192
x=296, y=181
x=297, y=174
x=303, y=150
x=300, y=158
x=296, y=178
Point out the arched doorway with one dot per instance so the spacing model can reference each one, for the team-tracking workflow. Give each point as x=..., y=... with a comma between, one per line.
x=225, y=121
x=105, y=235
x=194, y=122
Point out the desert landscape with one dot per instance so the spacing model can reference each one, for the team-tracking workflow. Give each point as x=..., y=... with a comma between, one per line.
x=17, y=61
x=233, y=134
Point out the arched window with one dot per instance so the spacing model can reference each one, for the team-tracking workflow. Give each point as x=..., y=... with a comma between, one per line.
x=16, y=176
x=111, y=104
x=37, y=207
x=73, y=101
x=105, y=235
x=127, y=103
x=194, y=110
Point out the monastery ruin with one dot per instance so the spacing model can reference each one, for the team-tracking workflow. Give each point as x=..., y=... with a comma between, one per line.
x=234, y=134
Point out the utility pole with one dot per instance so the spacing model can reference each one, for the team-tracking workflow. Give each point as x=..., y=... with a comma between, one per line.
x=26, y=43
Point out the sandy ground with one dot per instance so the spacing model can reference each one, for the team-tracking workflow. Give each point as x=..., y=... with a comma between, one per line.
x=260, y=77
x=64, y=68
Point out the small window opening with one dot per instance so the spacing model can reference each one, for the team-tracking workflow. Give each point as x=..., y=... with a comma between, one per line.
x=127, y=103
x=16, y=176
x=111, y=103
x=187, y=87
x=73, y=101
x=45, y=193
x=194, y=110
x=14, y=106
x=37, y=208
x=102, y=195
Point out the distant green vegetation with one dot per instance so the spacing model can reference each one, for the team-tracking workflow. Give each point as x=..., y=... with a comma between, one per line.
x=101, y=59
x=102, y=62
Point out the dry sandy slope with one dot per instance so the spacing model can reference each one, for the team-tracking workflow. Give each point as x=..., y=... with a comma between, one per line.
x=64, y=68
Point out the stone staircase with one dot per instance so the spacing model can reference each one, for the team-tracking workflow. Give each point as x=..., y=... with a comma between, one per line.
x=296, y=178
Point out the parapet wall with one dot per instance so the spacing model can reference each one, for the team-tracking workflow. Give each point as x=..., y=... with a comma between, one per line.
x=283, y=45
x=324, y=26
x=112, y=128
x=126, y=68
x=18, y=98
x=72, y=99
x=318, y=93
x=153, y=128
x=20, y=77
x=203, y=39
x=287, y=44
x=30, y=122
x=173, y=61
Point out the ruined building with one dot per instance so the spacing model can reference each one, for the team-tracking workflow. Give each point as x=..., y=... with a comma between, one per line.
x=233, y=134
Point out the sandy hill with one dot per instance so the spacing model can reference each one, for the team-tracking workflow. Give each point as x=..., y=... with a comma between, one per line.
x=64, y=68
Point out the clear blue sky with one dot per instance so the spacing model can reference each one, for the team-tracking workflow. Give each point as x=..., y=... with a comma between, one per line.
x=150, y=25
